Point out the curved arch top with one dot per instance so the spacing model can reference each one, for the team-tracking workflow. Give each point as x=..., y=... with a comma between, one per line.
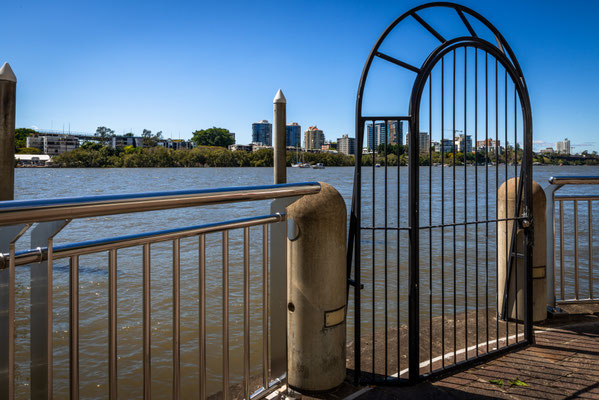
x=501, y=47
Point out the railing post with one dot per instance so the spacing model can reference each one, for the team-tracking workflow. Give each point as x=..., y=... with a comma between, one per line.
x=280, y=142
x=8, y=237
x=316, y=263
x=550, y=243
x=8, y=95
x=517, y=284
x=41, y=314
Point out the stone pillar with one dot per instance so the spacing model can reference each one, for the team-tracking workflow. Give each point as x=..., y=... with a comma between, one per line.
x=279, y=138
x=8, y=96
x=539, y=256
x=316, y=291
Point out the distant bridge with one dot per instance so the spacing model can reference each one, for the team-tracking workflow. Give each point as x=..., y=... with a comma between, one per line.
x=78, y=135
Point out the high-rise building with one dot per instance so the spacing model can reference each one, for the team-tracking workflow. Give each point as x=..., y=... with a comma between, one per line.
x=444, y=146
x=395, y=132
x=563, y=147
x=293, y=133
x=463, y=144
x=313, y=138
x=262, y=133
x=376, y=135
x=346, y=145
x=424, y=142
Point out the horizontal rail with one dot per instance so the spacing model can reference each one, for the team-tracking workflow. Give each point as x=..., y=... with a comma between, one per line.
x=574, y=180
x=576, y=197
x=30, y=211
x=40, y=254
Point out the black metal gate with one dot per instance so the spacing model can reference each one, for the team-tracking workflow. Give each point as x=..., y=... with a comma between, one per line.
x=426, y=223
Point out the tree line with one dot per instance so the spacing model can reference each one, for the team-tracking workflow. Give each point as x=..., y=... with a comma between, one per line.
x=95, y=155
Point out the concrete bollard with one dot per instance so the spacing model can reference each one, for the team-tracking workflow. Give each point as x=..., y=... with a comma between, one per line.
x=317, y=280
x=539, y=255
x=8, y=96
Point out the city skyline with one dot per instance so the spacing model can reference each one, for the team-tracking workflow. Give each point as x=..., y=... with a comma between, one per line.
x=128, y=77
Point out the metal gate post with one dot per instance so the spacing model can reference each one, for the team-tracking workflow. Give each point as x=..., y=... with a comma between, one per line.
x=528, y=223
x=414, y=257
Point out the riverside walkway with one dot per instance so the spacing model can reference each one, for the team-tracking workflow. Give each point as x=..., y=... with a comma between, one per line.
x=562, y=364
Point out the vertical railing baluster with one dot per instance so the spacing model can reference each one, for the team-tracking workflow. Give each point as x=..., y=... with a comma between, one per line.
x=8, y=237
x=176, y=318
x=576, y=249
x=561, y=249
x=246, y=312
x=11, y=320
x=265, y=353
x=202, y=314
x=74, y=328
x=147, y=346
x=225, y=282
x=590, y=214
x=112, y=312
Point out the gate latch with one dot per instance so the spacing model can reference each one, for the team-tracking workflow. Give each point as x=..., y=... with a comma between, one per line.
x=526, y=220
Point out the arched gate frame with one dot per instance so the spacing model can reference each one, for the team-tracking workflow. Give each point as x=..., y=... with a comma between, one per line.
x=450, y=322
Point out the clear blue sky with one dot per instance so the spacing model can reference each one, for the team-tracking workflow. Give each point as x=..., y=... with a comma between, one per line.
x=178, y=67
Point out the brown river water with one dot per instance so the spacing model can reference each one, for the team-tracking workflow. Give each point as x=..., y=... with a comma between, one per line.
x=49, y=183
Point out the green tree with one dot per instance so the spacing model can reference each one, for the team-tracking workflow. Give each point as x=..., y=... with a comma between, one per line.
x=104, y=134
x=213, y=137
x=21, y=137
x=149, y=140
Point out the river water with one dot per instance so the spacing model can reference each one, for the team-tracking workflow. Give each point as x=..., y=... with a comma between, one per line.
x=48, y=183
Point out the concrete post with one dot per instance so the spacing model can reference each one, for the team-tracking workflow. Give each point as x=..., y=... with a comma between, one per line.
x=8, y=99
x=539, y=255
x=280, y=144
x=316, y=291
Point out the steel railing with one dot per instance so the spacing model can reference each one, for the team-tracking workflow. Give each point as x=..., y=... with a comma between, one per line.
x=50, y=216
x=566, y=236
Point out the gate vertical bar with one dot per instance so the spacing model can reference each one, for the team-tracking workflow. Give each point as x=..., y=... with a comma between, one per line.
x=443, y=211
x=529, y=230
x=413, y=258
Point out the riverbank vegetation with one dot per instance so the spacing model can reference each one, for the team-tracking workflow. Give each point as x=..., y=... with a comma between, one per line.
x=95, y=155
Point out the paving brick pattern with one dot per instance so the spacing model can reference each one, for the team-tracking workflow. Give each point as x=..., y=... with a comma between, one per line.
x=562, y=364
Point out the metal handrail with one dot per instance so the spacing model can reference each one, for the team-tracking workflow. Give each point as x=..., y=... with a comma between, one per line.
x=40, y=254
x=52, y=215
x=556, y=183
x=30, y=211
x=574, y=180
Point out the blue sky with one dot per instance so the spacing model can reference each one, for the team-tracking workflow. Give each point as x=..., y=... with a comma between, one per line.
x=182, y=66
